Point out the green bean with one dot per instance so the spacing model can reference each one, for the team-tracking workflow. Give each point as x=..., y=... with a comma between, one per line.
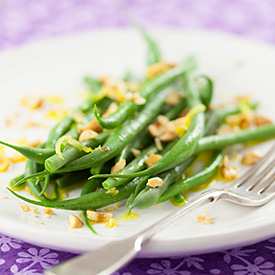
x=217, y=116
x=121, y=137
x=59, y=130
x=185, y=146
x=159, y=82
x=93, y=84
x=209, y=143
x=31, y=168
x=17, y=179
x=217, y=142
x=154, y=55
x=149, y=195
x=195, y=179
x=179, y=199
x=136, y=164
x=38, y=155
x=205, y=87
x=72, y=178
x=93, y=200
x=46, y=184
x=71, y=153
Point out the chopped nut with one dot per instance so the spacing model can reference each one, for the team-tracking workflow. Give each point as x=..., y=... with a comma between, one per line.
x=251, y=157
x=87, y=135
x=99, y=216
x=93, y=125
x=228, y=172
x=47, y=216
x=136, y=98
x=204, y=218
x=25, y=208
x=32, y=101
x=163, y=129
x=158, y=68
x=47, y=211
x=261, y=120
x=152, y=159
x=75, y=222
x=135, y=152
x=224, y=129
x=118, y=166
x=174, y=98
x=33, y=209
x=113, y=191
x=4, y=198
x=242, y=120
x=155, y=182
x=112, y=108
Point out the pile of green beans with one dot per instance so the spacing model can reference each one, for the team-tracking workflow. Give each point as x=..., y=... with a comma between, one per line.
x=126, y=129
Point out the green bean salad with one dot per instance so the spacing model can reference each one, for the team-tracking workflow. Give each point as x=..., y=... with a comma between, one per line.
x=137, y=141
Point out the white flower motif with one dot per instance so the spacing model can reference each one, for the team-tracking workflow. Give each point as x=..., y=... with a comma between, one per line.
x=6, y=243
x=165, y=269
x=14, y=270
x=43, y=257
x=258, y=268
x=2, y=261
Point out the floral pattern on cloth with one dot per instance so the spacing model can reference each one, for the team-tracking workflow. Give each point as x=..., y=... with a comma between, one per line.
x=252, y=260
x=22, y=21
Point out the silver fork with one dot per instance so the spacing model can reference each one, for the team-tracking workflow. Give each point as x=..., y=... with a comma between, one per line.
x=251, y=189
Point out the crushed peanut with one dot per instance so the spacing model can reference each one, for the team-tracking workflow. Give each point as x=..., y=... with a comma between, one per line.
x=158, y=68
x=204, y=218
x=25, y=208
x=78, y=117
x=4, y=198
x=93, y=125
x=135, y=152
x=118, y=166
x=113, y=191
x=75, y=222
x=87, y=135
x=32, y=102
x=174, y=98
x=228, y=172
x=152, y=159
x=47, y=216
x=99, y=216
x=163, y=129
x=111, y=109
x=241, y=120
x=34, y=209
x=136, y=98
x=155, y=182
x=261, y=120
x=47, y=211
x=251, y=157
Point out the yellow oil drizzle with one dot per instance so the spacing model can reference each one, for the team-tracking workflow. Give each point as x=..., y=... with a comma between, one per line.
x=204, y=157
x=127, y=217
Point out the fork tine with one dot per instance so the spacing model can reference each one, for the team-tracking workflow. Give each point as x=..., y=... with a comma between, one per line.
x=267, y=185
x=255, y=182
x=240, y=181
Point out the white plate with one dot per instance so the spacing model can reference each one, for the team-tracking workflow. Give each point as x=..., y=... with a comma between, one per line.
x=57, y=66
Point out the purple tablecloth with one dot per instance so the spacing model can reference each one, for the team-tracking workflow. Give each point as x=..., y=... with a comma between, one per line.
x=27, y=20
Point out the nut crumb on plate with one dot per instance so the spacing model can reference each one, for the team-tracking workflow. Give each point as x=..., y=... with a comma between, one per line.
x=251, y=157
x=99, y=216
x=75, y=222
